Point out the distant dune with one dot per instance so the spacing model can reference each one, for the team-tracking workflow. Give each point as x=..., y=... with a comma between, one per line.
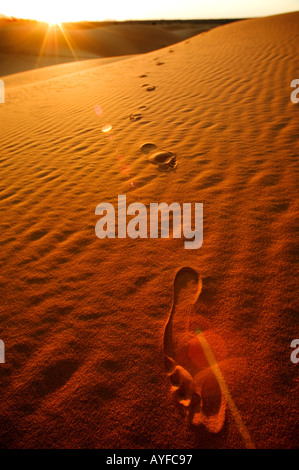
x=140, y=343
x=28, y=44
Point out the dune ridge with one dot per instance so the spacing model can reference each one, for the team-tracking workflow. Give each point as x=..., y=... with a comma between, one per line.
x=26, y=44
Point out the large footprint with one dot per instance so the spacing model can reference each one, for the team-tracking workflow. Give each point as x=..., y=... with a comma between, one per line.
x=165, y=161
x=189, y=360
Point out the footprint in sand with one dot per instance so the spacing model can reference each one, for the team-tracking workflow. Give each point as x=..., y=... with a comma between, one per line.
x=189, y=360
x=138, y=116
x=148, y=148
x=159, y=63
x=148, y=87
x=143, y=75
x=135, y=116
x=164, y=160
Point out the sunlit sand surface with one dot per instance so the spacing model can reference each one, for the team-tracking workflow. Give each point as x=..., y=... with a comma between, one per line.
x=89, y=357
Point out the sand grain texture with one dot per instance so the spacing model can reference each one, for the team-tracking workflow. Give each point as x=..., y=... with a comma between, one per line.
x=83, y=319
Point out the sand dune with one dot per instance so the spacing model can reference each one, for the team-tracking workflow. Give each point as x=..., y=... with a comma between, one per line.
x=26, y=45
x=86, y=322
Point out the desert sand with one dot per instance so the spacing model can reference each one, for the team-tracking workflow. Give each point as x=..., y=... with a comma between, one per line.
x=28, y=44
x=123, y=343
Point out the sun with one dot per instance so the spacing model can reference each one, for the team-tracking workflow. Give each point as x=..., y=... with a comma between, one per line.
x=53, y=19
x=53, y=23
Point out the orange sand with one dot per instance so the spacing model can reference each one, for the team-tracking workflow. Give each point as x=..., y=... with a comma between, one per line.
x=25, y=44
x=83, y=319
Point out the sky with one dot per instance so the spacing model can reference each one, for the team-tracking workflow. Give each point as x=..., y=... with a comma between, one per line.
x=98, y=10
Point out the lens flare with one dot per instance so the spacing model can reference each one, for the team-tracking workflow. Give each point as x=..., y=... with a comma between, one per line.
x=98, y=110
x=124, y=167
x=106, y=128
